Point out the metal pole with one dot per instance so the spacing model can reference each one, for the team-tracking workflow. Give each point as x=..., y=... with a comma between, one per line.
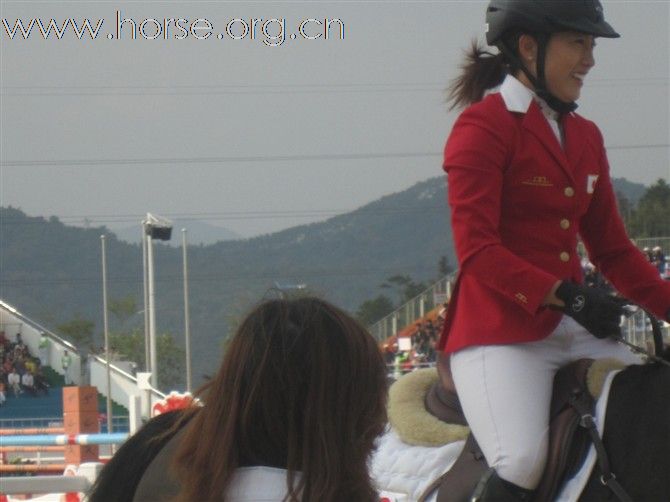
x=106, y=328
x=147, y=352
x=147, y=349
x=152, y=313
x=187, y=330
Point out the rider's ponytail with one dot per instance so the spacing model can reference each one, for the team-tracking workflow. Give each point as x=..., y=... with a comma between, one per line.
x=481, y=70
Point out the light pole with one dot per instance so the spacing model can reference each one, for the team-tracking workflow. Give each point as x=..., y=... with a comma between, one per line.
x=187, y=330
x=284, y=289
x=159, y=228
x=147, y=352
x=106, y=329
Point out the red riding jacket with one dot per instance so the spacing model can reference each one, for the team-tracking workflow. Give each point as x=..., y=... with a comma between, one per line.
x=518, y=204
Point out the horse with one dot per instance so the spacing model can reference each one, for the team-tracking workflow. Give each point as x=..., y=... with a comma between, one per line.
x=632, y=411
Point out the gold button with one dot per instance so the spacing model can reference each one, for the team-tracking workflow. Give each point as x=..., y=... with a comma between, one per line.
x=569, y=191
x=565, y=224
x=565, y=256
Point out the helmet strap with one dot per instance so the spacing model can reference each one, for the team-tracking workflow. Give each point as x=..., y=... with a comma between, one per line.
x=539, y=82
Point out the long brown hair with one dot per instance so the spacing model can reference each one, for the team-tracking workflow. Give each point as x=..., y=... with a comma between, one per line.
x=302, y=386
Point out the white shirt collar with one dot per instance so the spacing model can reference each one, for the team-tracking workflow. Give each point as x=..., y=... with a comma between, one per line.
x=517, y=98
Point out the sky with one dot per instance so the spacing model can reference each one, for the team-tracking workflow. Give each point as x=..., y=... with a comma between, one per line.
x=261, y=134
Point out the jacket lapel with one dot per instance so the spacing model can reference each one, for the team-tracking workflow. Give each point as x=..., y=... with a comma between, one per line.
x=535, y=122
x=575, y=139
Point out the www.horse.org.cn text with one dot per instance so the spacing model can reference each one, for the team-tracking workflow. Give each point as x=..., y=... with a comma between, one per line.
x=272, y=32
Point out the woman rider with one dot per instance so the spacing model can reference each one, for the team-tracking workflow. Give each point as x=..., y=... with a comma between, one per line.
x=527, y=177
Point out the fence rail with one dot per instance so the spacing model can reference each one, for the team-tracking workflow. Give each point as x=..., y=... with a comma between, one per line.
x=119, y=423
x=423, y=303
x=414, y=309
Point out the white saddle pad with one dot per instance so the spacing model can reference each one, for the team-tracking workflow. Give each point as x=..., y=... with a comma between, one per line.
x=402, y=472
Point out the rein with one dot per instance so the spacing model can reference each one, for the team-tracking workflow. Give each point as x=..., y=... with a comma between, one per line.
x=658, y=338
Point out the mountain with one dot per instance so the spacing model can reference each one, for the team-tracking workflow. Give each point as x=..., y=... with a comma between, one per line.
x=198, y=232
x=52, y=272
x=632, y=191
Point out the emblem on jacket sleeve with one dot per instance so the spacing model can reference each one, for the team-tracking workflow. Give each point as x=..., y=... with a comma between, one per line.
x=591, y=183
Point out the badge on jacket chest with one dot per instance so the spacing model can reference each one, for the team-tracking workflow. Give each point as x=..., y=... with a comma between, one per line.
x=591, y=183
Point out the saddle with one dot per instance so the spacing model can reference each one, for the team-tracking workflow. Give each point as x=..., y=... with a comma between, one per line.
x=568, y=442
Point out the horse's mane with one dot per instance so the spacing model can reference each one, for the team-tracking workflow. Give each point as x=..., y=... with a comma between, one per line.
x=121, y=476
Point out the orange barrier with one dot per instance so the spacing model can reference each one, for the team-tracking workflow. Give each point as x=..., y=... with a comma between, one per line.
x=34, y=430
x=16, y=449
x=32, y=467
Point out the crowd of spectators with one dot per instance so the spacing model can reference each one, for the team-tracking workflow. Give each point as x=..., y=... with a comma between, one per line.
x=20, y=372
x=657, y=258
x=423, y=338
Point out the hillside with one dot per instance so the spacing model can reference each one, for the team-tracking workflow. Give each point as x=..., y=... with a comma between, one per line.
x=51, y=271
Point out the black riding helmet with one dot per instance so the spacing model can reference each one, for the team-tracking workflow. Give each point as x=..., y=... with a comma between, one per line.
x=541, y=18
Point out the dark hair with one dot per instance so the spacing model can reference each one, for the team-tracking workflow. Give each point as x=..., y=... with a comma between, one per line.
x=303, y=387
x=481, y=70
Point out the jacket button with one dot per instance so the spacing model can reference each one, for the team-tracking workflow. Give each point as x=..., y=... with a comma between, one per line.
x=565, y=224
x=569, y=191
x=565, y=256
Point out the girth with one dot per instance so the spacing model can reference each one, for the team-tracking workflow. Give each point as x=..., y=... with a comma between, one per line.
x=568, y=443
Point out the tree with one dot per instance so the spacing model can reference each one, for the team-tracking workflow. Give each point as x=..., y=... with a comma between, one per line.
x=626, y=208
x=130, y=345
x=79, y=331
x=652, y=216
x=406, y=288
x=170, y=357
x=171, y=362
x=371, y=311
x=444, y=267
x=123, y=308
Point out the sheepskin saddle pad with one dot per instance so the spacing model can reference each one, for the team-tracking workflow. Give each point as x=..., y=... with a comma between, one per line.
x=423, y=413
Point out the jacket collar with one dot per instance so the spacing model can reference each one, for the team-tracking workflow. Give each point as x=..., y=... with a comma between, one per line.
x=520, y=99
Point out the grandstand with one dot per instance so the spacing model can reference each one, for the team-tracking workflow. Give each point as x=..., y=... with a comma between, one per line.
x=42, y=410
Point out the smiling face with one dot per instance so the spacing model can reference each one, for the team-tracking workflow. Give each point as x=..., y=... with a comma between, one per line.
x=569, y=58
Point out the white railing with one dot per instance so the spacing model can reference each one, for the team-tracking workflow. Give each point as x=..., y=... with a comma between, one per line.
x=637, y=330
x=414, y=309
x=83, y=479
x=124, y=387
x=651, y=242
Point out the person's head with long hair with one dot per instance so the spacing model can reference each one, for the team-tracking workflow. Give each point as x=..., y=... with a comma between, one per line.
x=302, y=387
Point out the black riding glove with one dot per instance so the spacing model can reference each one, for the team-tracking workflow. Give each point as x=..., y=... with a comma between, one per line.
x=599, y=312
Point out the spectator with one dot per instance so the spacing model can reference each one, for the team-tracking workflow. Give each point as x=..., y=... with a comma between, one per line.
x=44, y=349
x=658, y=259
x=28, y=383
x=41, y=384
x=31, y=364
x=8, y=364
x=14, y=382
x=19, y=345
x=3, y=397
x=293, y=412
x=66, y=363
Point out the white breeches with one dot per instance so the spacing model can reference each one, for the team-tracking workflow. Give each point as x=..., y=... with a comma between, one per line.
x=505, y=392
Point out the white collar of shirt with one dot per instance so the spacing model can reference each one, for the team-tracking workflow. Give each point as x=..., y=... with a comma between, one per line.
x=258, y=484
x=518, y=97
